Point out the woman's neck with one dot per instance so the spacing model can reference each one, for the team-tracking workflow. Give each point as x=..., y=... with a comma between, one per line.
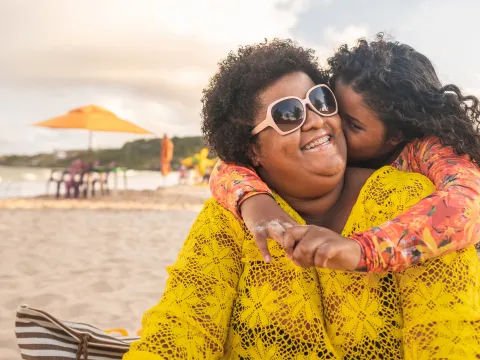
x=333, y=209
x=315, y=209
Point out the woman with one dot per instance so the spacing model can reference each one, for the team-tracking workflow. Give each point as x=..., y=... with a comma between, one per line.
x=394, y=111
x=223, y=300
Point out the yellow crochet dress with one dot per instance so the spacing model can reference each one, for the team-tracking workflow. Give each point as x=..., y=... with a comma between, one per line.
x=223, y=301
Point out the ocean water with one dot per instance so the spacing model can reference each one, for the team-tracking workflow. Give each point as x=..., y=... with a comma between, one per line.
x=28, y=182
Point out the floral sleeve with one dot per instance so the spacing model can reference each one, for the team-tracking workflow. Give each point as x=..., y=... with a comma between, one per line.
x=232, y=184
x=446, y=221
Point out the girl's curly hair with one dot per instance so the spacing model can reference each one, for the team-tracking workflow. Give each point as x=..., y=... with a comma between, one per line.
x=401, y=86
x=230, y=101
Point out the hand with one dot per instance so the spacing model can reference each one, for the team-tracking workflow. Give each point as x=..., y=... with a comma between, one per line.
x=265, y=219
x=316, y=246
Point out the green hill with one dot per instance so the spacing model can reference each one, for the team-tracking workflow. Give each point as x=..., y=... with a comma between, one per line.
x=140, y=155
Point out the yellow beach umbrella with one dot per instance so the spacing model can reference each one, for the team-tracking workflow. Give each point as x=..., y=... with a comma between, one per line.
x=92, y=118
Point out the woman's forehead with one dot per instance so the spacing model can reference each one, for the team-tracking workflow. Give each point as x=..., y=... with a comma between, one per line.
x=295, y=84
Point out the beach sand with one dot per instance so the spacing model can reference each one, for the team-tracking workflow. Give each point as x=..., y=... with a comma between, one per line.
x=100, y=261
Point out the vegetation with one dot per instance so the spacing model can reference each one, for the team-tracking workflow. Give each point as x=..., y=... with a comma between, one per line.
x=140, y=155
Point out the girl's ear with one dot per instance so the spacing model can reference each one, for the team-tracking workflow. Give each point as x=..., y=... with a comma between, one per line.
x=255, y=155
x=396, y=139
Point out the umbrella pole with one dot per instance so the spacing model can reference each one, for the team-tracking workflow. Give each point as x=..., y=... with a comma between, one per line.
x=90, y=141
x=90, y=149
x=90, y=160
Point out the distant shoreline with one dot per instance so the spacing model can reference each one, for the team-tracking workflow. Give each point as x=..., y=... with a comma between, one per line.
x=142, y=154
x=28, y=182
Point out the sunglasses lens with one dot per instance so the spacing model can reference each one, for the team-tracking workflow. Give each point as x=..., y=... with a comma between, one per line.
x=288, y=114
x=323, y=100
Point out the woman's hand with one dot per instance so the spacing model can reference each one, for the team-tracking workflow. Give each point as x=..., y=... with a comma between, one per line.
x=265, y=219
x=316, y=246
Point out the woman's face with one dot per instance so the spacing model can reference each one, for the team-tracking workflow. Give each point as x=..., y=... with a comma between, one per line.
x=285, y=163
x=365, y=133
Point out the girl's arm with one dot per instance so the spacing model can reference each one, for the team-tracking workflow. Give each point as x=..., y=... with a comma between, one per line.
x=446, y=221
x=232, y=184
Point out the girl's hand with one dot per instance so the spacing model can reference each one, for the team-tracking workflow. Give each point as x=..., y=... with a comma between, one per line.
x=265, y=219
x=316, y=246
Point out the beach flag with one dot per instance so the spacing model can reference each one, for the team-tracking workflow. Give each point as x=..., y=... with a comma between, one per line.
x=166, y=155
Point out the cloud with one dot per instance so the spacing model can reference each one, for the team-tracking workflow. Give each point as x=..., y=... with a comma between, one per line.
x=444, y=31
x=152, y=45
x=348, y=35
x=21, y=106
x=146, y=61
x=334, y=37
x=471, y=91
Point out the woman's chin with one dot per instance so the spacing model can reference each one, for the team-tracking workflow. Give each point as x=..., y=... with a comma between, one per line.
x=333, y=166
x=330, y=159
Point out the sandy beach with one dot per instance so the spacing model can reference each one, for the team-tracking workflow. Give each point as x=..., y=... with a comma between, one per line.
x=98, y=261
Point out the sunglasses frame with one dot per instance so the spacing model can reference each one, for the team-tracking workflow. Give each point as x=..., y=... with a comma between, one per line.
x=269, y=122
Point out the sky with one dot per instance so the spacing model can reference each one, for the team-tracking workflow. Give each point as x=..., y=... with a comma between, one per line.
x=148, y=60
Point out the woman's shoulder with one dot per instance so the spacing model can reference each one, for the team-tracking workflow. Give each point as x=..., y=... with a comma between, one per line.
x=214, y=213
x=387, y=193
x=288, y=209
x=389, y=185
x=389, y=177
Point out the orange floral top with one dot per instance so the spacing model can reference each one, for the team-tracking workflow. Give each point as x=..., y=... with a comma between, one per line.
x=446, y=221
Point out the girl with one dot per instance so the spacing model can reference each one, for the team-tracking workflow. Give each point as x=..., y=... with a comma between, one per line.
x=395, y=112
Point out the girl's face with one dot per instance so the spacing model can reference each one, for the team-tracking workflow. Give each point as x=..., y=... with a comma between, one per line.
x=365, y=133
